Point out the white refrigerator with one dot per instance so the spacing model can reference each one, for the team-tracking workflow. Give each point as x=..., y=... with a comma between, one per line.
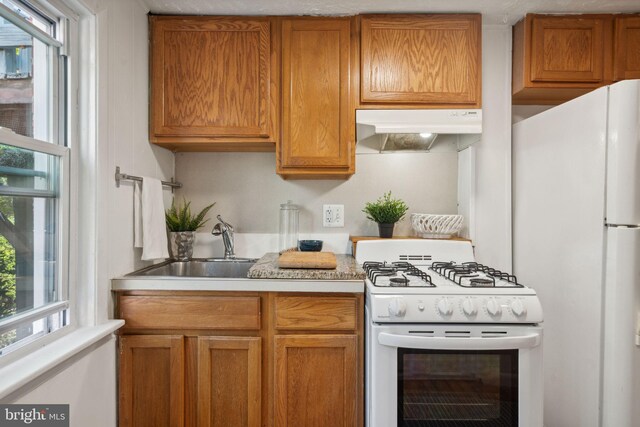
x=576, y=241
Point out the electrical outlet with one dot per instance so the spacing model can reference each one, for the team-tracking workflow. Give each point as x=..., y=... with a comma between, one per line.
x=333, y=215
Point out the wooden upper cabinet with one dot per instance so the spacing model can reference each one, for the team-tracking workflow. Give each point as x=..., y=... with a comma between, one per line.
x=626, y=63
x=560, y=57
x=318, y=132
x=422, y=60
x=567, y=49
x=213, y=83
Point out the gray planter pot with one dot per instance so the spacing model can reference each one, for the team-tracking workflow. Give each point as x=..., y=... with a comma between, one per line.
x=181, y=244
x=386, y=230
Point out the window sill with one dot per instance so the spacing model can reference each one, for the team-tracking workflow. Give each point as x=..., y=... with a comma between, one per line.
x=28, y=368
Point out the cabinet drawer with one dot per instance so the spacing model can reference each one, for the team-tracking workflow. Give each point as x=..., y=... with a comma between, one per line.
x=298, y=313
x=184, y=312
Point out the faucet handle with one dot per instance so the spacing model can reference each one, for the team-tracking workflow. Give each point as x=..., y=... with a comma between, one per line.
x=226, y=224
x=217, y=230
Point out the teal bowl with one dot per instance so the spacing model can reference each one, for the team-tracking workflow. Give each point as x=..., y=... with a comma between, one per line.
x=310, y=245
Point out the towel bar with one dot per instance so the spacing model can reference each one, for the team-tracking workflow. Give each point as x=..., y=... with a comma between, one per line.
x=121, y=176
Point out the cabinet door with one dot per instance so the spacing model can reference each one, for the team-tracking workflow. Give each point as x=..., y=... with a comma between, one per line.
x=210, y=77
x=316, y=134
x=567, y=49
x=151, y=381
x=229, y=381
x=315, y=380
x=627, y=48
x=422, y=59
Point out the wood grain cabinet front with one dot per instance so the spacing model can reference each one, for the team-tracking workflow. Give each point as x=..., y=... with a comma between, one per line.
x=318, y=129
x=229, y=381
x=151, y=381
x=240, y=359
x=560, y=57
x=422, y=61
x=316, y=380
x=213, y=83
x=626, y=47
x=568, y=49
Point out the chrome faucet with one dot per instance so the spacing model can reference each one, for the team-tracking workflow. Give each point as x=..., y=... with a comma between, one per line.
x=226, y=231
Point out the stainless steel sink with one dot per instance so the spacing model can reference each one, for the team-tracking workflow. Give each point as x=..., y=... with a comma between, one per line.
x=214, y=267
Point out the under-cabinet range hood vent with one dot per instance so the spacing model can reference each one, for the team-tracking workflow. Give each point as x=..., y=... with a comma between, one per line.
x=416, y=130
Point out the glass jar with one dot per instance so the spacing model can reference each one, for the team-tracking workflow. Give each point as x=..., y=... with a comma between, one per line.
x=289, y=214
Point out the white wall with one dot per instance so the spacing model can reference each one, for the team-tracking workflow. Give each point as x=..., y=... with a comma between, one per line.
x=492, y=222
x=87, y=383
x=123, y=137
x=521, y=112
x=248, y=193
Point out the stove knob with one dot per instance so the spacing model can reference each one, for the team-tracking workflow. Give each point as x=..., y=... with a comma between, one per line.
x=445, y=307
x=421, y=307
x=397, y=307
x=493, y=307
x=469, y=307
x=518, y=308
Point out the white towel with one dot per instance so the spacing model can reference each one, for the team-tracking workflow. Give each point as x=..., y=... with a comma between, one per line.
x=137, y=215
x=150, y=232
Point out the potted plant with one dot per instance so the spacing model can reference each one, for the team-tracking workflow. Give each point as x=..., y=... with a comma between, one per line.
x=386, y=211
x=182, y=225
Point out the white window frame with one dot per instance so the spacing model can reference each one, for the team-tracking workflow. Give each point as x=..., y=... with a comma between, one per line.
x=62, y=130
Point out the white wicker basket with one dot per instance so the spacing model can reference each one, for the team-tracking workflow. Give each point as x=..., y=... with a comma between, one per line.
x=436, y=226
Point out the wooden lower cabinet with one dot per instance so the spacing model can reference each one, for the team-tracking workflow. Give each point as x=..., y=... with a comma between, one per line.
x=281, y=359
x=229, y=381
x=315, y=380
x=151, y=381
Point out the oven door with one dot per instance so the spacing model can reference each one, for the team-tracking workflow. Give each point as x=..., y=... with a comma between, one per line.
x=454, y=375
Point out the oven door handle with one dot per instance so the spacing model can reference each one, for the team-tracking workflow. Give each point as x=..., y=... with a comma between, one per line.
x=467, y=343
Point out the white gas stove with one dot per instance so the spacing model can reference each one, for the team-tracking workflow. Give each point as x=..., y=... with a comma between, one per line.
x=448, y=341
x=436, y=281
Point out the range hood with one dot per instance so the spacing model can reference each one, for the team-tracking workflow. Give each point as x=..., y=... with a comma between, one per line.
x=416, y=130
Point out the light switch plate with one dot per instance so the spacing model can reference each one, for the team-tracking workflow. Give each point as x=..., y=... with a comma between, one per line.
x=333, y=215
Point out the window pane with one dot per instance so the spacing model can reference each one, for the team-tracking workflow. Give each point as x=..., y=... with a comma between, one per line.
x=28, y=172
x=31, y=16
x=33, y=248
x=25, y=78
x=28, y=253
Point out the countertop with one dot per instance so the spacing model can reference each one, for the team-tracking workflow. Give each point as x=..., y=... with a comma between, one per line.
x=264, y=276
x=267, y=268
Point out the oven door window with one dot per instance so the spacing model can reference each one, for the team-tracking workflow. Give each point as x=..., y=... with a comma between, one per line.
x=457, y=388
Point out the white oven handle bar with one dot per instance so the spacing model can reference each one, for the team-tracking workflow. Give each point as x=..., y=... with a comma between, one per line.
x=470, y=343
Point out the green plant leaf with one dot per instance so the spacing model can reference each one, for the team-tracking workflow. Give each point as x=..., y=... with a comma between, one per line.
x=179, y=218
x=386, y=210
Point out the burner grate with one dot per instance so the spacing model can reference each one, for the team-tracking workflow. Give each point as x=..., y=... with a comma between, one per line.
x=468, y=275
x=397, y=272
